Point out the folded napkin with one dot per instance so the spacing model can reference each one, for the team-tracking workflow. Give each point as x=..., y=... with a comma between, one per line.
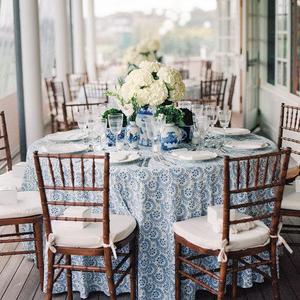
x=79, y=212
x=193, y=155
x=215, y=218
x=118, y=156
x=8, y=195
x=246, y=145
x=234, y=228
x=18, y=169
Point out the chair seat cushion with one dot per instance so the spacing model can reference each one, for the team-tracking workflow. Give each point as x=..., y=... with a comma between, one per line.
x=121, y=226
x=293, y=169
x=290, y=199
x=8, y=179
x=29, y=204
x=200, y=233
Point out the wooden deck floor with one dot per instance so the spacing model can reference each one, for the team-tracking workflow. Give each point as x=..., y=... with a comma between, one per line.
x=19, y=280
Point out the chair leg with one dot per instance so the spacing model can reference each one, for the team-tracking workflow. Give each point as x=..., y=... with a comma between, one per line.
x=222, y=281
x=69, y=279
x=50, y=276
x=234, y=278
x=39, y=250
x=109, y=274
x=275, y=284
x=133, y=270
x=177, y=268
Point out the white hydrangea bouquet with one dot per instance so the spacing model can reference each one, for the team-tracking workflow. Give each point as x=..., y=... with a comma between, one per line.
x=152, y=84
x=146, y=50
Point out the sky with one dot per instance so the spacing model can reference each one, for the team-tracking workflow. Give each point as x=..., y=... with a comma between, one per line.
x=104, y=8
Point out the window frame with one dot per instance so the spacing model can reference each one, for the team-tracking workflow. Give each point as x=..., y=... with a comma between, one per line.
x=286, y=60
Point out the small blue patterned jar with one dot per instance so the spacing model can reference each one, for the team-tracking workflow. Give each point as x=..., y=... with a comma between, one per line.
x=171, y=137
x=133, y=135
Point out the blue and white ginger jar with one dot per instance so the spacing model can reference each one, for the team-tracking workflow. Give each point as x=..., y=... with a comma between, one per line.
x=133, y=135
x=171, y=136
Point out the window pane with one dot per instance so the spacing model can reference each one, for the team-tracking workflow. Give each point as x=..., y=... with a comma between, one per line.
x=7, y=49
x=271, y=41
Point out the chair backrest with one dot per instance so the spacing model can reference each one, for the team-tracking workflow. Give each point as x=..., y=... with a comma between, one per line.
x=75, y=82
x=70, y=110
x=289, y=128
x=213, y=91
x=58, y=96
x=205, y=66
x=95, y=92
x=49, y=93
x=4, y=146
x=185, y=73
x=262, y=174
x=231, y=91
x=68, y=173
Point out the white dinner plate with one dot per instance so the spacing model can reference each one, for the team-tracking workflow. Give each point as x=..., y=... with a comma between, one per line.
x=186, y=155
x=67, y=136
x=64, y=148
x=247, y=145
x=231, y=131
x=122, y=157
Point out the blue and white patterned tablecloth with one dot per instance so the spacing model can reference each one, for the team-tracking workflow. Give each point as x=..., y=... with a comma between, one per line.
x=157, y=196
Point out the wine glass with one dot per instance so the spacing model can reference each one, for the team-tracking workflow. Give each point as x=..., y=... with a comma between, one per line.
x=115, y=122
x=224, y=119
x=82, y=118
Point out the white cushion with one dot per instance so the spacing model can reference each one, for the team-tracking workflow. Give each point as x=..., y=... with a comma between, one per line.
x=121, y=226
x=290, y=199
x=8, y=179
x=18, y=169
x=29, y=204
x=199, y=232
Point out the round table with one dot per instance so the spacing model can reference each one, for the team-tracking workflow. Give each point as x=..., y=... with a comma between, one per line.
x=157, y=195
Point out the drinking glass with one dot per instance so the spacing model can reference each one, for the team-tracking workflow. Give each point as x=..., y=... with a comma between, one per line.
x=115, y=122
x=202, y=123
x=100, y=132
x=153, y=126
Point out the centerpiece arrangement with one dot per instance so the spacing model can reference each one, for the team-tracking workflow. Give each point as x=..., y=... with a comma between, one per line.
x=146, y=50
x=151, y=88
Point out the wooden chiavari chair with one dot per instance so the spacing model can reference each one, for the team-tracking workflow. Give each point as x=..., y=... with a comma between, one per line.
x=205, y=66
x=231, y=91
x=56, y=97
x=185, y=73
x=289, y=131
x=70, y=111
x=106, y=233
x=242, y=176
x=213, y=92
x=95, y=92
x=75, y=82
x=26, y=211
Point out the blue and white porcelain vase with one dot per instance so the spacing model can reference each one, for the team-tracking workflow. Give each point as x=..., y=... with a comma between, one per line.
x=133, y=135
x=142, y=115
x=170, y=137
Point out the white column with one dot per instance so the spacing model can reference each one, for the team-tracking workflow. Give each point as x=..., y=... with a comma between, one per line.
x=61, y=40
x=78, y=36
x=30, y=39
x=91, y=40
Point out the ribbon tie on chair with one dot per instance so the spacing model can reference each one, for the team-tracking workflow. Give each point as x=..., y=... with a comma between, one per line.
x=113, y=248
x=222, y=257
x=281, y=240
x=50, y=243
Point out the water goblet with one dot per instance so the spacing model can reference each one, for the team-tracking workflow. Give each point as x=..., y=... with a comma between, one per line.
x=224, y=119
x=115, y=122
